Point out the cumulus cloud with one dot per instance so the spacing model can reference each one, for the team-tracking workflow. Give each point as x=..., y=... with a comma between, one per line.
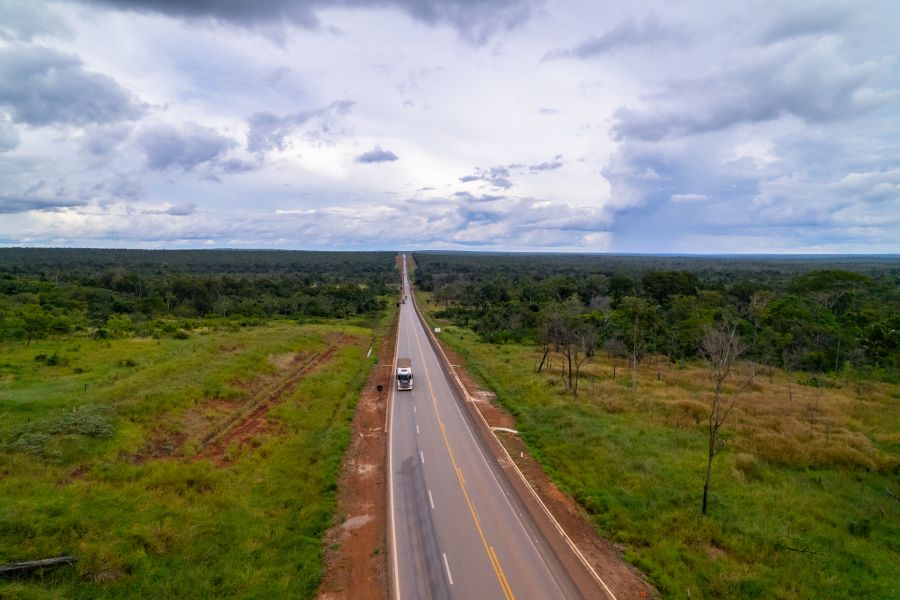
x=41, y=86
x=376, y=155
x=629, y=33
x=547, y=165
x=475, y=20
x=267, y=131
x=498, y=177
x=813, y=82
x=167, y=147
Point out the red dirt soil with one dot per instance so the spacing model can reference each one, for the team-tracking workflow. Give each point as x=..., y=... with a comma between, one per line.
x=216, y=425
x=356, y=545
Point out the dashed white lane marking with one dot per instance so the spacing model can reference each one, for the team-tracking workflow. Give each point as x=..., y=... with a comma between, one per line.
x=422, y=456
x=417, y=429
x=447, y=566
x=414, y=408
x=431, y=499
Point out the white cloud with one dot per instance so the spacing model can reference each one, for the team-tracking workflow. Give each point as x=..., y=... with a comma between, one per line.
x=203, y=126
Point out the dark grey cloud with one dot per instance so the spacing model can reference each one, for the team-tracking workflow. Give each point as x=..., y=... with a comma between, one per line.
x=102, y=140
x=40, y=86
x=376, y=155
x=166, y=147
x=24, y=203
x=823, y=19
x=475, y=20
x=813, y=83
x=24, y=21
x=650, y=31
x=268, y=131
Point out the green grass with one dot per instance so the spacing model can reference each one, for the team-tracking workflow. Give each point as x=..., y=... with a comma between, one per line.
x=786, y=528
x=173, y=527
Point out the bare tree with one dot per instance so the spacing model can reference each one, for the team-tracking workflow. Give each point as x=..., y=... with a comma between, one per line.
x=585, y=343
x=615, y=349
x=552, y=334
x=722, y=348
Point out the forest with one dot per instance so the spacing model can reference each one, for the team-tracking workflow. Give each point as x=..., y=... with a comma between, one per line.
x=109, y=293
x=816, y=314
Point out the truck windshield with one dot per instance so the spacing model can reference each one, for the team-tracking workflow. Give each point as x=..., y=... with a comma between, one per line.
x=404, y=377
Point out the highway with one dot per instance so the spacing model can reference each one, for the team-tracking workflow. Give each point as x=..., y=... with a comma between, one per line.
x=457, y=530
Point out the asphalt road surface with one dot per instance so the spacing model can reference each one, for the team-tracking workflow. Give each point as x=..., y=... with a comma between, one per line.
x=457, y=530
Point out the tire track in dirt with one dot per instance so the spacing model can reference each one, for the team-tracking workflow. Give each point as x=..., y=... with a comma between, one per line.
x=206, y=431
x=253, y=420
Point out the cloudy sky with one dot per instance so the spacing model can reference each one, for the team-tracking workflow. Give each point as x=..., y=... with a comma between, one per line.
x=596, y=126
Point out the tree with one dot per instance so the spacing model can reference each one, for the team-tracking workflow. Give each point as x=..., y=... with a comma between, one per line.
x=722, y=348
x=585, y=342
x=635, y=317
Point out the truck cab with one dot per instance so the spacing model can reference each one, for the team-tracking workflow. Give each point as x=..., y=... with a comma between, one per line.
x=404, y=374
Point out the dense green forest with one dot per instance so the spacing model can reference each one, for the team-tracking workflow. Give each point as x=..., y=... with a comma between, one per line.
x=46, y=292
x=819, y=314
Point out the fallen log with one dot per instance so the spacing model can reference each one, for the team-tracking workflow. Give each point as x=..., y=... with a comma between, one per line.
x=31, y=565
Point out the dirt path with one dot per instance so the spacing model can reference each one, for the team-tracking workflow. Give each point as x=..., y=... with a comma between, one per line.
x=356, y=546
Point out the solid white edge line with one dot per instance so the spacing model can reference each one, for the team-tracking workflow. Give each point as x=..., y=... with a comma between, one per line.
x=447, y=566
x=431, y=499
x=388, y=421
x=534, y=493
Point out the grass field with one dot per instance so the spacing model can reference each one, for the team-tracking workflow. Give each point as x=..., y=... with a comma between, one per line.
x=202, y=467
x=804, y=499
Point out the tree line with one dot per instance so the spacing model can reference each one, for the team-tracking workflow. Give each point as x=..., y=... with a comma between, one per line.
x=46, y=292
x=822, y=315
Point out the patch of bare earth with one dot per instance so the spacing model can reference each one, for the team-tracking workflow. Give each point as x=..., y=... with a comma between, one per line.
x=355, y=546
x=215, y=426
x=604, y=556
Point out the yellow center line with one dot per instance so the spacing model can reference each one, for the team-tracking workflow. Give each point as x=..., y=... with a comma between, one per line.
x=503, y=582
x=492, y=557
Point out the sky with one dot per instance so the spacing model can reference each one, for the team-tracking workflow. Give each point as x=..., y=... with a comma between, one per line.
x=641, y=126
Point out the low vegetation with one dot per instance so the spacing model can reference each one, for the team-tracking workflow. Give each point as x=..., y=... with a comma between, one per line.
x=178, y=426
x=115, y=455
x=805, y=485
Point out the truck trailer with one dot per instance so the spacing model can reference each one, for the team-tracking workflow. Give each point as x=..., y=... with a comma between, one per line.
x=404, y=374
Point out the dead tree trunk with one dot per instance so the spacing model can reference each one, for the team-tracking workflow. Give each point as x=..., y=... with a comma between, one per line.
x=722, y=349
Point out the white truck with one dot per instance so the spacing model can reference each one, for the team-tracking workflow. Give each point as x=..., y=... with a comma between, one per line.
x=404, y=374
